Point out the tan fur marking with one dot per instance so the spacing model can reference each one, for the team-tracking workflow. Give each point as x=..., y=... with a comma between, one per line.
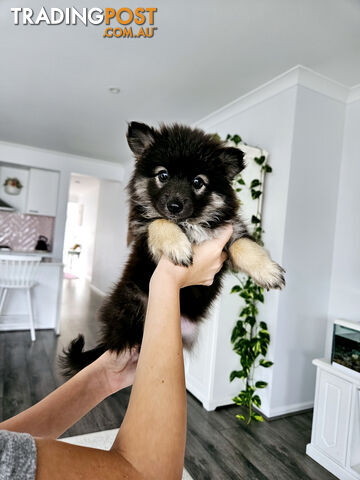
x=254, y=260
x=167, y=238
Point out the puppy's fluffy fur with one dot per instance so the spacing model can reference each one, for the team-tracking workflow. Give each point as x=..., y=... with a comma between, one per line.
x=180, y=194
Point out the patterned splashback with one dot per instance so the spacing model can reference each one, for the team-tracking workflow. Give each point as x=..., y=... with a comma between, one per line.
x=21, y=231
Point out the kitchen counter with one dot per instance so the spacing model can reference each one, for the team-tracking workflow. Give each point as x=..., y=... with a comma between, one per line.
x=46, y=296
x=46, y=258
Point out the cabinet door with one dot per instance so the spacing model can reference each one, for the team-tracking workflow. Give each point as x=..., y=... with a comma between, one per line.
x=16, y=199
x=42, y=192
x=332, y=415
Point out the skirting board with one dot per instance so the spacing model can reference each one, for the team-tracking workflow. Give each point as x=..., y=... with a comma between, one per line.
x=212, y=404
x=294, y=408
x=329, y=465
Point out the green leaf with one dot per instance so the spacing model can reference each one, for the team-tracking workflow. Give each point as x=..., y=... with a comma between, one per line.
x=260, y=160
x=255, y=183
x=263, y=325
x=240, y=417
x=267, y=168
x=255, y=194
x=250, y=320
x=236, y=139
x=257, y=417
x=266, y=363
x=256, y=401
x=237, y=374
x=260, y=384
x=255, y=219
x=228, y=136
x=235, y=289
x=241, y=181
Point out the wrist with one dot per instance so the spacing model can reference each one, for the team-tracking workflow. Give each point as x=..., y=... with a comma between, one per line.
x=97, y=380
x=163, y=278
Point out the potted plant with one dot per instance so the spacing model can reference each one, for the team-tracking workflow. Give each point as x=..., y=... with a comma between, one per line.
x=13, y=186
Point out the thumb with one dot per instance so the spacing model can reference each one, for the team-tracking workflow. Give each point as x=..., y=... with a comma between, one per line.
x=224, y=236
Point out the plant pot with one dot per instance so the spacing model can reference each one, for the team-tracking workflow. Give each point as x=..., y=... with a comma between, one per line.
x=12, y=190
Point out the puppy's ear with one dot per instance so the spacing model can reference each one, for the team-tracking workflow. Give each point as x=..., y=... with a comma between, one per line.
x=139, y=137
x=233, y=160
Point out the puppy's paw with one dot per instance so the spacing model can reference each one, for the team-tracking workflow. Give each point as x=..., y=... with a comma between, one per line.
x=166, y=238
x=249, y=257
x=179, y=252
x=270, y=275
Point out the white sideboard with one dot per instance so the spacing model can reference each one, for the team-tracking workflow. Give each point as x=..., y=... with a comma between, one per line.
x=335, y=438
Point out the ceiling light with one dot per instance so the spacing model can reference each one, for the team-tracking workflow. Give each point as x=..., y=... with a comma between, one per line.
x=114, y=90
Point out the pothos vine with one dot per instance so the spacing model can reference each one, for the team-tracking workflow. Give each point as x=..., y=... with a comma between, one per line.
x=250, y=337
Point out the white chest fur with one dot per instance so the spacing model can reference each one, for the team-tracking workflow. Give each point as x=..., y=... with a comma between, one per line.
x=197, y=233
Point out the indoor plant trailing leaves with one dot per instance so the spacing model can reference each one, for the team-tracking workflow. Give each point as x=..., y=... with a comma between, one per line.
x=250, y=337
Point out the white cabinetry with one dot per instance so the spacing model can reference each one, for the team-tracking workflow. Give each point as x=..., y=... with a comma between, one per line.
x=335, y=439
x=42, y=192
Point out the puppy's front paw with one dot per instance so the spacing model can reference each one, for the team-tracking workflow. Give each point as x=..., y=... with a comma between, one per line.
x=166, y=238
x=249, y=257
x=270, y=275
x=179, y=252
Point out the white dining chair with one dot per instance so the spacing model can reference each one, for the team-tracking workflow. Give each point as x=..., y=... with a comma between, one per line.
x=19, y=272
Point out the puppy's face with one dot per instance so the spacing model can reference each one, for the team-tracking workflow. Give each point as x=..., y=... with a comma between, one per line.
x=183, y=174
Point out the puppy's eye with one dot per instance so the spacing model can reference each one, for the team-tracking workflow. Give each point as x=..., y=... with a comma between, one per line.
x=198, y=182
x=163, y=176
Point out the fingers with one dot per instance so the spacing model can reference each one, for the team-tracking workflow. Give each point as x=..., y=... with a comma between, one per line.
x=224, y=236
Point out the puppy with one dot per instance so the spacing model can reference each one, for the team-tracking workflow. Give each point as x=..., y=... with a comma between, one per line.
x=180, y=194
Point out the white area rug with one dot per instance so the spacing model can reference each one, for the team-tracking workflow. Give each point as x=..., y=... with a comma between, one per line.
x=103, y=441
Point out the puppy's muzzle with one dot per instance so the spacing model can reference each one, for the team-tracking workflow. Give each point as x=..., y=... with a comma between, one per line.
x=175, y=206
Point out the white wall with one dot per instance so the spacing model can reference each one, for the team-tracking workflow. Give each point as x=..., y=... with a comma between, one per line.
x=299, y=119
x=345, y=285
x=65, y=164
x=307, y=249
x=268, y=124
x=110, y=252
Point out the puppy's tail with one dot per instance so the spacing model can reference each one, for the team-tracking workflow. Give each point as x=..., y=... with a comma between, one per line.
x=75, y=358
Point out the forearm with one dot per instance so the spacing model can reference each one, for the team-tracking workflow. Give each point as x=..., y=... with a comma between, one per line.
x=152, y=436
x=62, y=408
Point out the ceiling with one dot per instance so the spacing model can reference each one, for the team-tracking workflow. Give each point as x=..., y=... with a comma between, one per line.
x=54, y=79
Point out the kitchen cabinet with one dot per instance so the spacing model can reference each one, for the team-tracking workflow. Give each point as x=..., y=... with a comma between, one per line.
x=42, y=192
x=17, y=199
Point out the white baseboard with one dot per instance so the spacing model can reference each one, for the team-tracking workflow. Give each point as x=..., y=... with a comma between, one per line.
x=213, y=403
x=329, y=464
x=287, y=409
x=97, y=290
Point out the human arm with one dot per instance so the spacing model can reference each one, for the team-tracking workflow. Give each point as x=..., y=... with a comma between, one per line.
x=71, y=401
x=151, y=440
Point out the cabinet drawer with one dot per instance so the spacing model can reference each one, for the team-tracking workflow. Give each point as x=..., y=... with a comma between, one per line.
x=332, y=415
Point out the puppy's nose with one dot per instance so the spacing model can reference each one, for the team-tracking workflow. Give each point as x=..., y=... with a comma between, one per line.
x=175, y=206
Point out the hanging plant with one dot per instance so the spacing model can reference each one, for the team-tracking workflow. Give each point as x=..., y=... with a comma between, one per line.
x=12, y=186
x=250, y=337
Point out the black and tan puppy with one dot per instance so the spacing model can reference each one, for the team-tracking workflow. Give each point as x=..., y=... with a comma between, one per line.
x=180, y=194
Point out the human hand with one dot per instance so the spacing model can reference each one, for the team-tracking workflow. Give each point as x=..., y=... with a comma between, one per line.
x=207, y=261
x=117, y=370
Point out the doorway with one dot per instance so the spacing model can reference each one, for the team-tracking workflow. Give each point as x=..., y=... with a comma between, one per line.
x=80, y=229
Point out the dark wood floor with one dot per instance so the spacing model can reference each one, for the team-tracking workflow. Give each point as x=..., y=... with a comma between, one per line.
x=218, y=446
